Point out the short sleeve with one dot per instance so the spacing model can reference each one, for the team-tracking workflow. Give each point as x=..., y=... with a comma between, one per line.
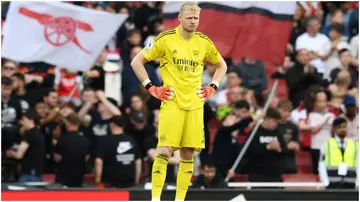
x=154, y=49
x=212, y=55
x=137, y=151
x=29, y=138
x=311, y=121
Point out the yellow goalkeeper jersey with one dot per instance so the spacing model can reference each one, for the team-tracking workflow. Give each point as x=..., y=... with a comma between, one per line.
x=182, y=63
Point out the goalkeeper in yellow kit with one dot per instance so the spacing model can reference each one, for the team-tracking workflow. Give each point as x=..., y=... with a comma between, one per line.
x=182, y=52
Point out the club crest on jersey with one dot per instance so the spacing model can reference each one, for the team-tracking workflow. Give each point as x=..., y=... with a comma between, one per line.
x=196, y=53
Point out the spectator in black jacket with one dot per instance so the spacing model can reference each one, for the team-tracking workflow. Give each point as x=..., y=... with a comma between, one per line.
x=39, y=78
x=265, y=152
x=301, y=77
x=10, y=114
x=143, y=15
x=118, y=160
x=133, y=39
x=31, y=150
x=71, y=152
x=290, y=133
x=19, y=91
x=231, y=136
x=253, y=76
x=139, y=129
x=210, y=179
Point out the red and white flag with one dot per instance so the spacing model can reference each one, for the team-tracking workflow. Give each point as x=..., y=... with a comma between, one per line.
x=253, y=29
x=57, y=33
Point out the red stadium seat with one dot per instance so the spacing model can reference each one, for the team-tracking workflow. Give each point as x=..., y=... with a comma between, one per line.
x=303, y=162
x=89, y=178
x=300, y=178
x=50, y=178
x=241, y=178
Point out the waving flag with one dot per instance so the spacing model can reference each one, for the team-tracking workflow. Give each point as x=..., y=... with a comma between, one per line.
x=57, y=33
x=256, y=29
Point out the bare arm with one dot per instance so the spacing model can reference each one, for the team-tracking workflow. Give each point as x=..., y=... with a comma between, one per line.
x=113, y=109
x=220, y=71
x=83, y=113
x=138, y=170
x=57, y=157
x=293, y=146
x=303, y=126
x=19, y=154
x=316, y=129
x=51, y=116
x=138, y=66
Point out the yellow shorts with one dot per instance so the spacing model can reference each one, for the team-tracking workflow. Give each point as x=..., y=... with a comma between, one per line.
x=181, y=128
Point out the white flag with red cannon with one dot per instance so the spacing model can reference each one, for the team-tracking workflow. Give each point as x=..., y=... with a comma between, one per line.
x=57, y=33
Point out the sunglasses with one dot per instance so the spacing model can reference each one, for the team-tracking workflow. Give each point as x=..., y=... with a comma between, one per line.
x=9, y=68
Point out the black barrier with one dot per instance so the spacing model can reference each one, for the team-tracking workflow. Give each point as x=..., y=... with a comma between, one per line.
x=253, y=195
x=51, y=192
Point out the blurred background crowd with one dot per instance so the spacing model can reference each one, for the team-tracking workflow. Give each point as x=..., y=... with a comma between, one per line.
x=75, y=111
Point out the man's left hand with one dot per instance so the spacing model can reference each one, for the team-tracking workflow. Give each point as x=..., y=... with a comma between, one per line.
x=206, y=92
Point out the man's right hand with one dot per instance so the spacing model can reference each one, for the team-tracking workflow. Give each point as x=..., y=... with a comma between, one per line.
x=162, y=93
x=275, y=145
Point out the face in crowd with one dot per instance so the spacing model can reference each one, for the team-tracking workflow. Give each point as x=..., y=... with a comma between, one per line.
x=313, y=26
x=233, y=79
x=52, y=99
x=209, y=172
x=8, y=69
x=136, y=103
x=88, y=95
x=321, y=101
x=303, y=57
x=341, y=130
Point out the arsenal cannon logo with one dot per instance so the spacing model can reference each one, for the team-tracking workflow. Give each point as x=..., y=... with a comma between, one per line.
x=58, y=30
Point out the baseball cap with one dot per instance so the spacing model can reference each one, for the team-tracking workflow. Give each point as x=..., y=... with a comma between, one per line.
x=138, y=116
x=349, y=100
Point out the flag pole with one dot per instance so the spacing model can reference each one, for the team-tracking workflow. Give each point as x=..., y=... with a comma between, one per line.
x=253, y=132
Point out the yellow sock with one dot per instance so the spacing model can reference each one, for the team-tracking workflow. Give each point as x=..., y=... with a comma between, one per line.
x=158, y=175
x=183, y=179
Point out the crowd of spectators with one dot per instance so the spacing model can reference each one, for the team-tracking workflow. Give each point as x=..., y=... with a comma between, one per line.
x=56, y=121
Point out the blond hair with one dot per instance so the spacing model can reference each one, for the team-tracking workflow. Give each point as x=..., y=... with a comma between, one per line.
x=190, y=5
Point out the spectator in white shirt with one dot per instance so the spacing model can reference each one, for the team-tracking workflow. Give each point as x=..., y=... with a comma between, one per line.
x=158, y=28
x=313, y=41
x=354, y=43
x=208, y=74
x=112, y=77
x=320, y=122
x=329, y=52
